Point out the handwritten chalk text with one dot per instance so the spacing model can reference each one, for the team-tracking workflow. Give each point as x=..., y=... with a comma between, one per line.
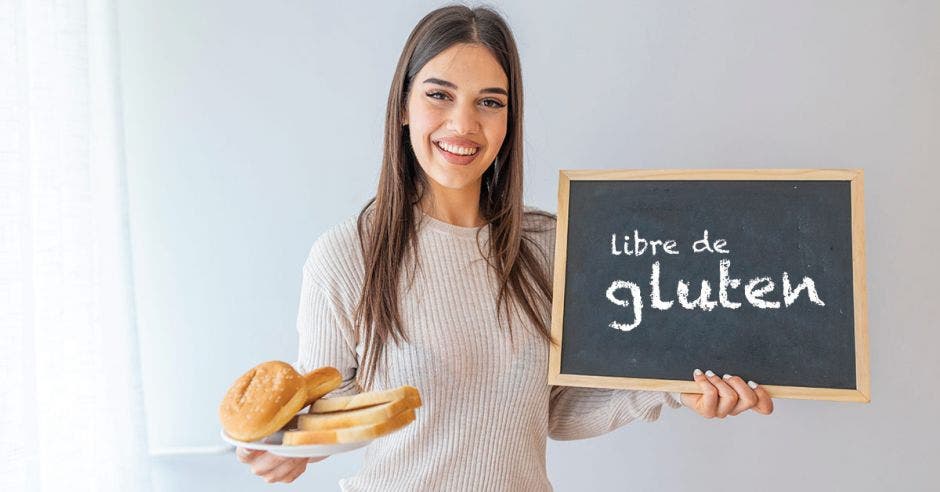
x=640, y=244
x=754, y=291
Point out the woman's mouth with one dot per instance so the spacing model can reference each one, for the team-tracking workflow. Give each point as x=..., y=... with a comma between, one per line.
x=456, y=154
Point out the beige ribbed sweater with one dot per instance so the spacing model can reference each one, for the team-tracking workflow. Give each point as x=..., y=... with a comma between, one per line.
x=487, y=407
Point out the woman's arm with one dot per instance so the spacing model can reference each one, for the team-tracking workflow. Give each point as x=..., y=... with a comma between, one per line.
x=582, y=413
x=325, y=338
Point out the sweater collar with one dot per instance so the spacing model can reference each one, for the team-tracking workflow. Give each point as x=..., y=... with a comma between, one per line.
x=448, y=228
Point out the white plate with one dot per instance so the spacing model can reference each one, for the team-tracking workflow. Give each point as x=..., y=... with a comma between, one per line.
x=273, y=445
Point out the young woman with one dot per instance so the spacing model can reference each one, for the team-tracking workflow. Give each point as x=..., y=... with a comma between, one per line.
x=453, y=275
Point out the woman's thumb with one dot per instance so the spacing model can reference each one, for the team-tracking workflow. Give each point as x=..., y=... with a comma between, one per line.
x=244, y=454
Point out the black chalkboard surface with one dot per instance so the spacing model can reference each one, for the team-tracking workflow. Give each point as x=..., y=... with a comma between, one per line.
x=758, y=273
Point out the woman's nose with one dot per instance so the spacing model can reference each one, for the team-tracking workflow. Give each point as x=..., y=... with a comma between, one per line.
x=463, y=119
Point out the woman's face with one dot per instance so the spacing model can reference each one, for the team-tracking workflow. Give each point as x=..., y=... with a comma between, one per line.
x=457, y=113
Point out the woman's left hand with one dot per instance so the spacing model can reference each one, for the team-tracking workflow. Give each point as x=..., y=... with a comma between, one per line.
x=726, y=396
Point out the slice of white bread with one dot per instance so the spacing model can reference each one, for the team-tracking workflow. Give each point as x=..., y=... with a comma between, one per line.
x=351, y=418
x=362, y=400
x=349, y=434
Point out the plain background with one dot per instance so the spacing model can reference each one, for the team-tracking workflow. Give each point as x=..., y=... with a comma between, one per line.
x=251, y=127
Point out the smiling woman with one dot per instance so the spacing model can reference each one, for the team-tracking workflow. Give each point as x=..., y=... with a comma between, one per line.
x=449, y=208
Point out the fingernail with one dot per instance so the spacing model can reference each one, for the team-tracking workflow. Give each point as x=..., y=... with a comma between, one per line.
x=752, y=384
x=697, y=372
x=726, y=377
x=709, y=373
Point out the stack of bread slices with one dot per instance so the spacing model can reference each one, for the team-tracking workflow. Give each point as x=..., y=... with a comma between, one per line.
x=355, y=418
x=266, y=400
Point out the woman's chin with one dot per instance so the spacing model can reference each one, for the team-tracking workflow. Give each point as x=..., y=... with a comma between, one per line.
x=455, y=183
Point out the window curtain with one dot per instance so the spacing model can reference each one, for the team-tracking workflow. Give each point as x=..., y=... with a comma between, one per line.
x=71, y=404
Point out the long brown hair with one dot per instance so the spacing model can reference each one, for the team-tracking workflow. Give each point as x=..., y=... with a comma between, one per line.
x=387, y=224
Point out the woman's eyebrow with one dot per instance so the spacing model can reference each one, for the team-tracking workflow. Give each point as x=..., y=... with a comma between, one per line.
x=451, y=85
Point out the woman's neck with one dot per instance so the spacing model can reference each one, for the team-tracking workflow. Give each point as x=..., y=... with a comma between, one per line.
x=457, y=207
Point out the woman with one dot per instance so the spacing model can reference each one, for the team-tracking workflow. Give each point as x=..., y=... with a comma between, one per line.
x=455, y=275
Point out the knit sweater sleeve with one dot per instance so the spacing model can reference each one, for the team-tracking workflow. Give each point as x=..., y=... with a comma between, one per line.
x=582, y=413
x=325, y=333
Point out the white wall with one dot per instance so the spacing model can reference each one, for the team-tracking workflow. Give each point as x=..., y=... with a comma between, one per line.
x=253, y=126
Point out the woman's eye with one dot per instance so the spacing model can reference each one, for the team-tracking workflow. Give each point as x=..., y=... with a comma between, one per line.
x=489, y=103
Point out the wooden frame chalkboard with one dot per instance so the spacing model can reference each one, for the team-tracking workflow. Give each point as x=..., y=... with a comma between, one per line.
x=839, y=193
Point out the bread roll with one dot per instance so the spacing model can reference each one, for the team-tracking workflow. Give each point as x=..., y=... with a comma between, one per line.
x=267, y=397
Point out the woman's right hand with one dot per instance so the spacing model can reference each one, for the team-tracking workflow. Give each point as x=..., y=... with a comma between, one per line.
x=273, y=468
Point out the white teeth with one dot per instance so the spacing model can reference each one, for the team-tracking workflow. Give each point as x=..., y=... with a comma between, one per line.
x=453, y=149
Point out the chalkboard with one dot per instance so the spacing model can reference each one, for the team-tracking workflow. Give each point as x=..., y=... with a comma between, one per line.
x=757, y=273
